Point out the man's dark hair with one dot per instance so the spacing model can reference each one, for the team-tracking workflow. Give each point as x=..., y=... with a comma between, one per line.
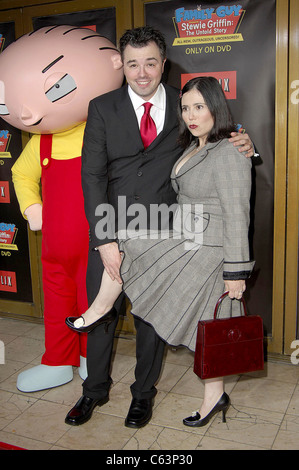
x=215, y=100
x=140, y=37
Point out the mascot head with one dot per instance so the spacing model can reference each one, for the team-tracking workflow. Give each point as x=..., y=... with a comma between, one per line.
x=48, y=77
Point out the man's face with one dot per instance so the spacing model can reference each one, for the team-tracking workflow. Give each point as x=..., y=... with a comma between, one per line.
x=143, y=68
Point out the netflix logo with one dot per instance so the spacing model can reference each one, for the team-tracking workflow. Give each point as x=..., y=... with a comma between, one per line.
x=4, y=192
x=8, y=282
x=227, y=80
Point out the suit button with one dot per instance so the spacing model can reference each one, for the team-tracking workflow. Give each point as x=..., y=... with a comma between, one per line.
x=136, y=197
x=139, y=173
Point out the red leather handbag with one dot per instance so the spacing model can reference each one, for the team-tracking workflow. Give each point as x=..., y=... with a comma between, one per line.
x=229, y=346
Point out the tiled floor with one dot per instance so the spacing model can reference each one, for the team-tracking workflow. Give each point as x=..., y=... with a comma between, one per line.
x=264, y=412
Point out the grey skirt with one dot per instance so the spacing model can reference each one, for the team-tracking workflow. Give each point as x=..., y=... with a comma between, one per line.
x=172, y=284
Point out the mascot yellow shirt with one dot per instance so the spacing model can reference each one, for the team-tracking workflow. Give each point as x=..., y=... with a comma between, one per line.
x=26, y=172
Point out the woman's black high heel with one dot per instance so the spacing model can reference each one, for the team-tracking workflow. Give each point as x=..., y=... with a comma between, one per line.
x=195, y=419
x=106, y=319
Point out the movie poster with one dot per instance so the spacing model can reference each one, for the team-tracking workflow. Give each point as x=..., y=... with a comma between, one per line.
x=236, y=43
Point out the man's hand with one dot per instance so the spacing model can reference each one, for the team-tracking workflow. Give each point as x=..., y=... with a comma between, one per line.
x=111, y=258
x=243, y=142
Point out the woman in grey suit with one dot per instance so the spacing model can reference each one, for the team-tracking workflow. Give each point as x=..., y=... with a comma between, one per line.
x=173, y=278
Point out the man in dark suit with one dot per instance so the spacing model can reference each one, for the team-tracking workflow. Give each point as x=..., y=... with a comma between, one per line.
x=116, y=162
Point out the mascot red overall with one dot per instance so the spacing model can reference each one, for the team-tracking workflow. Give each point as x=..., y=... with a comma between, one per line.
x=47, y=79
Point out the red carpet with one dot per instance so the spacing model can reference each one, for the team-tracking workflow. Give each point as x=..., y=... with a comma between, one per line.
x=4, y=446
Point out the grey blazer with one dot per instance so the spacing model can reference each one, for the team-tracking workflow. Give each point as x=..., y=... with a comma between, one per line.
x=214, y=189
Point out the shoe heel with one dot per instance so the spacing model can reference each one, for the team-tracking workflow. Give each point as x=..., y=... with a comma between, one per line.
x=224, y=411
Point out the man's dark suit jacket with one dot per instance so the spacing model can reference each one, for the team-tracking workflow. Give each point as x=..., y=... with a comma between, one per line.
x=115, y=163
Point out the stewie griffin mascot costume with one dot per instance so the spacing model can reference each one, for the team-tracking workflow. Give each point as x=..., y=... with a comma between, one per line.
x=47, y=79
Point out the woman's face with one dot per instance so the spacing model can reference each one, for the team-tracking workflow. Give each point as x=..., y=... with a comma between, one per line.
x=196, y=115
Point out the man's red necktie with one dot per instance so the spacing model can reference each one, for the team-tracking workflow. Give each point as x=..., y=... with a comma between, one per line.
x=148, y=129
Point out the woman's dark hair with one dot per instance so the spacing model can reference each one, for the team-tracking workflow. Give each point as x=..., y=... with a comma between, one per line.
x=215, y=100
x=140, y=37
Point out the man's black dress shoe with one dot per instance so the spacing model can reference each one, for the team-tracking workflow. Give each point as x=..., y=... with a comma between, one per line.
x=83, y=409
x=140, y=413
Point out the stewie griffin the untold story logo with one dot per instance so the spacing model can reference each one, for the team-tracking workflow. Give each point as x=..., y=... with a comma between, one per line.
x=208, y=25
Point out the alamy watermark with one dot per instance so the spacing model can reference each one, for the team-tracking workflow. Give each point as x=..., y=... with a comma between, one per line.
x=2, y=352
x=178, y=221
x=295, y=354
x=295, y=343
x=295, y=94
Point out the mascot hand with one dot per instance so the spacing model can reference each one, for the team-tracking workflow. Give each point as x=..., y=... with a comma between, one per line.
x=34, y=216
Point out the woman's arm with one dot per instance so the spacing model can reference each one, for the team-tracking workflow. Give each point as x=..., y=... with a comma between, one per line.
x=232, y=174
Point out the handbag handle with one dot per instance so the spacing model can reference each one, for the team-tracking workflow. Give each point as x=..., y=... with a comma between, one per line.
x=220, y=300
